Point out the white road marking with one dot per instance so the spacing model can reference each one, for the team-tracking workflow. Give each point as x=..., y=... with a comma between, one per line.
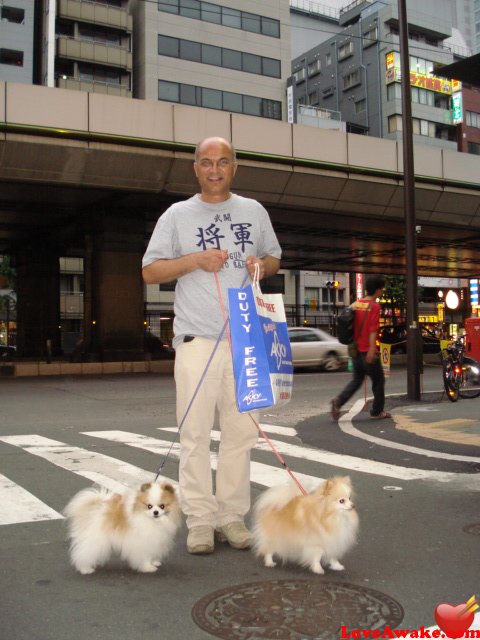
x=19, y=505
x=261, y=474
x=346, y=425
x=353, y=463
x=97, y=467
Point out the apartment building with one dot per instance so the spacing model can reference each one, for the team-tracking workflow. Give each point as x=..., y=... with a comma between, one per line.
x=87, y=45
x=356, y=72
x=17, y=41
x=218, y=55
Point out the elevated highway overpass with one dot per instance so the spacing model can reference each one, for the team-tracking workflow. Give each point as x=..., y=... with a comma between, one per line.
x=89, y=174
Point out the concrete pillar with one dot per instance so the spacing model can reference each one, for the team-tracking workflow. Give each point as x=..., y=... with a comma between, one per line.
x=114, y=309
x=38, y=301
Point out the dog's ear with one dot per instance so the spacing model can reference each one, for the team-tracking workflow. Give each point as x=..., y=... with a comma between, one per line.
x=145, y=487
x=168, y=487
x=347, y=480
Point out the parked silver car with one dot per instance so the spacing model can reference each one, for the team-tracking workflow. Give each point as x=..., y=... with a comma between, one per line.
x=315, y=348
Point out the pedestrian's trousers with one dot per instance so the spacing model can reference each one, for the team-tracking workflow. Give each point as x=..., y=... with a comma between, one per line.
x=231, y=499
x=362, y=368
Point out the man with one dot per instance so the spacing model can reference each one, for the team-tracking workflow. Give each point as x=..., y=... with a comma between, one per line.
x=214, y=232
x=366, y=362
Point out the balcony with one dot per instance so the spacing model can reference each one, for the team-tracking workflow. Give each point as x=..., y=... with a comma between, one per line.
x=82, y=11
x=93, y=52
x=64, y=82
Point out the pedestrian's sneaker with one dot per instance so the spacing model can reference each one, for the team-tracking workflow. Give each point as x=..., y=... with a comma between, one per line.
x=236, y=534
x=200, y=540
x=335, y=409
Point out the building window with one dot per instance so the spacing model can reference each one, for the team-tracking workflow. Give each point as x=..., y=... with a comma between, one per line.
x=11, y=57
x=345, y=50
x=12, y=14
x=314, y=67
x=394, y=91
x=299, y=75
x=169, y=91
x=190, y=9
x=101, y=36
x=351, y=79
x=394, y=123
x=328, y=59
x=360, y=106
x=473, y=147
x=92, y=73
x=312, y=297
x=216, y=99
x=370, y=37
x=217, y=14
x=473, y=119
x=208, y=54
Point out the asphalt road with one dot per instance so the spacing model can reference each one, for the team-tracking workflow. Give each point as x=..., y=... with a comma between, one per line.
x=415, y=498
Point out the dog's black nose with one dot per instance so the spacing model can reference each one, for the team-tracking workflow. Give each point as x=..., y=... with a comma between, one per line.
x=156, y=513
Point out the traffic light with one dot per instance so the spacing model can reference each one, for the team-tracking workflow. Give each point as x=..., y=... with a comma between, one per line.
x=332, y=283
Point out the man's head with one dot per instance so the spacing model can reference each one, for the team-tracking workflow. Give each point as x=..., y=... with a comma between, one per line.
x=374, y=284
x=215, y=165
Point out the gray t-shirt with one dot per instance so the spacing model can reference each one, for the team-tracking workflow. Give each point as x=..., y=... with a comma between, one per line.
x=239, y=225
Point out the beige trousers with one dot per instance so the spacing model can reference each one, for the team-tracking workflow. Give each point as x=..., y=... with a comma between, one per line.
x=231, y=500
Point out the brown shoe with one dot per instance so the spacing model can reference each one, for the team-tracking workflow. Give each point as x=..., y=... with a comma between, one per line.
x=200, y=540
x=334, y=409
x=236, y=534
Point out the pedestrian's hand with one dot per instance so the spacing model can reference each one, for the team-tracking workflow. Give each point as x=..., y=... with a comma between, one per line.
x=212, y=260
x=251, y=262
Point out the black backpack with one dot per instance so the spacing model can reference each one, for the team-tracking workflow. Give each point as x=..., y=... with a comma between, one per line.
x=345, y=321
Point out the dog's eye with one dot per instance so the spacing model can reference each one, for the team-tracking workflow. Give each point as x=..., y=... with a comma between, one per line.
x=162, y=506
x=149, y=506
x=342, y=500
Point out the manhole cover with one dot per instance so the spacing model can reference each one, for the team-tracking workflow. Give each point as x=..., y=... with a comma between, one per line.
x=294, y=610
x=473, y=528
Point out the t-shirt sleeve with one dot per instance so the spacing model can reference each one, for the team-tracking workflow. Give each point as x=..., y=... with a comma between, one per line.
x=270, y=245
x=163, y=244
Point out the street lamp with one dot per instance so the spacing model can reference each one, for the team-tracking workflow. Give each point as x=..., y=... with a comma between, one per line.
x=414, y=360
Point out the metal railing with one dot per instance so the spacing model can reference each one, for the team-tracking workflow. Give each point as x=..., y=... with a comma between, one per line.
x=310, y=6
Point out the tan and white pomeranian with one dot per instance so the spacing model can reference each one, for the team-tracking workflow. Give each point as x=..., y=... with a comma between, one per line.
x=313, y=529
x=139, y=526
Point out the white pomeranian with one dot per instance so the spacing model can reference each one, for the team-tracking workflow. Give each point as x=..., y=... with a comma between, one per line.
x=313, y=529
x=139, y=526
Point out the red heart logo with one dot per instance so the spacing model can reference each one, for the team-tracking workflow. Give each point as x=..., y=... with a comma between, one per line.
x=452, y=621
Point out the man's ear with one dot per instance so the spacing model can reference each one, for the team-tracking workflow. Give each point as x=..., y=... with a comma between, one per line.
x=195, y=168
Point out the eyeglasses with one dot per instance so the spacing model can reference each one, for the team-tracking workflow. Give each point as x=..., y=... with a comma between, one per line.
x=223, y=163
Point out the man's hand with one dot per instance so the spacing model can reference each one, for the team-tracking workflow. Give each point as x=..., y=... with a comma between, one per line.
x=211, y=260
x=251, y=262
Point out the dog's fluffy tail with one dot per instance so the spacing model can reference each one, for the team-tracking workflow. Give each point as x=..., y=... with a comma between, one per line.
x=86, y=500
x=276, y=497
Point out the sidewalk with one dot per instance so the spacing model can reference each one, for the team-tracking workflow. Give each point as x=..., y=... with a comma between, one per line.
x=435, y=417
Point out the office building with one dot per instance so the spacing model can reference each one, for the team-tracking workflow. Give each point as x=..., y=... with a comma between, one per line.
x=87, y=45
x=17, y=41
x=356, y=72
x=214, y=55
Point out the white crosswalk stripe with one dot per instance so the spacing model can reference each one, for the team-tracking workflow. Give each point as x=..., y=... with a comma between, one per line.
x=19, y=505
x=344, y=461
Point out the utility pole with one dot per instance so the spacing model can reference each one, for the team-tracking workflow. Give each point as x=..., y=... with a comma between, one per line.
x=414, y=362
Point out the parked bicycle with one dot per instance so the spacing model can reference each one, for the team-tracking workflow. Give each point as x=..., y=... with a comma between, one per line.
x=461, y=374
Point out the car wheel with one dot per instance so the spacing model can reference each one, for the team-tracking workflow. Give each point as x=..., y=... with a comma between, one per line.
x=332, y=362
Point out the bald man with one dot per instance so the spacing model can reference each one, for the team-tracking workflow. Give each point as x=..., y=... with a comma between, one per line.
x=214, y=232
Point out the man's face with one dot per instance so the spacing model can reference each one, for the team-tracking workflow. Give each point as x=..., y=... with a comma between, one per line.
x=215, y=168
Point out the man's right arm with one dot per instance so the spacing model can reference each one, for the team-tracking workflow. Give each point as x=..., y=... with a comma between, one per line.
x=162, y=271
